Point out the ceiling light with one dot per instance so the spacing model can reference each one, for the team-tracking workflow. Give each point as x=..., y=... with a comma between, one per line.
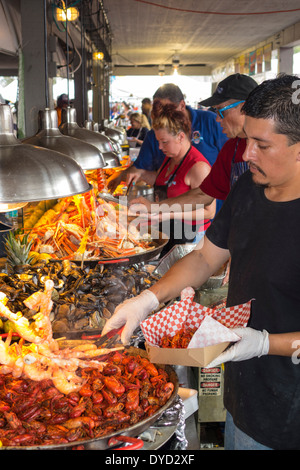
x=66, y=14
x=161, y=70
x=29, y=173
x=175, y=63
x=98, y=56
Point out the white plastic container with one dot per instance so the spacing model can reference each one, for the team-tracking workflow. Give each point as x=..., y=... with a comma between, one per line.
x=189, y=396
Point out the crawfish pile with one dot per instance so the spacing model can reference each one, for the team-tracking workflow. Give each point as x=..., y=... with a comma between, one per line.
x=128, y=390
x=180, y=340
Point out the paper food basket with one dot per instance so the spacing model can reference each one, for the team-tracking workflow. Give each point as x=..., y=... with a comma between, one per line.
x=212, y=337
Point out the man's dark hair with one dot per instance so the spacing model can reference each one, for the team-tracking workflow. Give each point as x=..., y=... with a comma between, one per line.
x=277, y=99
x=169, y=91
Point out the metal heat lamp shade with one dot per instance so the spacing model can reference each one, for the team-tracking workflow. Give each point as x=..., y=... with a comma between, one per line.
x=49, y=136
x=113, y=139
x=29, y=173
x=116, y=134
x=70, y=127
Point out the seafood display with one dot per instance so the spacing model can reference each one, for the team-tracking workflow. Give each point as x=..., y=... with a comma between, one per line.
x=82, y=298
x=35, y=413
x=52, y=396
x=84, y=228
x=180, y=340
x=42, y=358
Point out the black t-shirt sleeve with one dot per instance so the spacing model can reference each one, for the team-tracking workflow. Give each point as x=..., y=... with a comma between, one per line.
x=232, y=209
x=218, y=231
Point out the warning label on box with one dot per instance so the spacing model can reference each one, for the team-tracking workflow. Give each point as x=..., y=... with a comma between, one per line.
x=210, y=381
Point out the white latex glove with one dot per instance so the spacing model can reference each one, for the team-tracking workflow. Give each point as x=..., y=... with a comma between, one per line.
x=253, y=343
x=131, y=313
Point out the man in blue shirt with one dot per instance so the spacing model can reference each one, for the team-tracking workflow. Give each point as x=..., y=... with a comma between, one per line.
x=207, y=137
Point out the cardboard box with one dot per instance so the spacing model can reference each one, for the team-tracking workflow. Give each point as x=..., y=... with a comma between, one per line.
x=214, y=330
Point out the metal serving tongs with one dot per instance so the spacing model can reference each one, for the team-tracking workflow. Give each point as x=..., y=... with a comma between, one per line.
x=128, y=188
x=110, y=198
x=108, y=340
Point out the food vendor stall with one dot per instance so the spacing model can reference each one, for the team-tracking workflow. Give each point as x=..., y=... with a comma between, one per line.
x=53, y=307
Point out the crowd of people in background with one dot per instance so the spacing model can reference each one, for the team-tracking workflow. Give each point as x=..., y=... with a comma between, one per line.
x=121, y=110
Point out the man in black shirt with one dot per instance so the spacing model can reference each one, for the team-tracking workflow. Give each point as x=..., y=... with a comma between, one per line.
x=259, y=227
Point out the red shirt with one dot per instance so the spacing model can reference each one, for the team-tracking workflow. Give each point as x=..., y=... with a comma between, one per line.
x=217, y=183
x=178, y=186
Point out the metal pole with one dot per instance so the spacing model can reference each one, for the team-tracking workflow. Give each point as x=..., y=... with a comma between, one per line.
x=46, y=55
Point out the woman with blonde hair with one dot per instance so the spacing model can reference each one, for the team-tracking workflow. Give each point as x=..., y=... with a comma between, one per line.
x=138, y=130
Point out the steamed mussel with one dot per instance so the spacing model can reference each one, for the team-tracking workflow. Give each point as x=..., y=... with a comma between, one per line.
x=83, y=298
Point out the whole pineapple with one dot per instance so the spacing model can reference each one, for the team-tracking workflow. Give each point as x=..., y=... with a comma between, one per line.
x=18, y=250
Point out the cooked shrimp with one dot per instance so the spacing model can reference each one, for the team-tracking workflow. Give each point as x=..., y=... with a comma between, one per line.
x=18, y=368
x=37, y=367
x=10, y=358
x=21, y=324
x=84, y=347
x=43, y=359
x=7, y=358
x=65, y=359
x=42, y=301
x=89, y=353
x=66, y=382
x=73, y=364
x=5, y=370
x=34, y=300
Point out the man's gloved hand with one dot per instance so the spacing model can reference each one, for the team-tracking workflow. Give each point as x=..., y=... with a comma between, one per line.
x=253, y=343
x=131, y=313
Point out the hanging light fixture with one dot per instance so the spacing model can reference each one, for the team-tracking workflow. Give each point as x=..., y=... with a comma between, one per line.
x=114, y=136
x=161, y=70
x=118, y=138
x=29, y=173
x=175, y=64
x=98, y=55
x=66, y=13
x=49, y=136
x=70, y=127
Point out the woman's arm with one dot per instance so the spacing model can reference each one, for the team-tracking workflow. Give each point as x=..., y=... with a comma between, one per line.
x=137, y=174
x=170, y=209
x=138, y=141
x=194, y=178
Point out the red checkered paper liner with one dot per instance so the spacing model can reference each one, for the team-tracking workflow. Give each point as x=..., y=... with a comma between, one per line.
x=188, y=313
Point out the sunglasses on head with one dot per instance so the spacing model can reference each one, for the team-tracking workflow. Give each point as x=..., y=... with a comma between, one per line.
x=220, y=111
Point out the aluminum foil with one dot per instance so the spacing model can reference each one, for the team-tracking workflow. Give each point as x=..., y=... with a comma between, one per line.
x=176, y=253
x=175, y=414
